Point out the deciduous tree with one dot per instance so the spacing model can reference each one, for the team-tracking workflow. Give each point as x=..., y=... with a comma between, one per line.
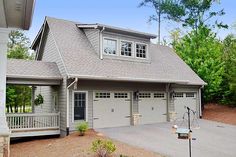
x=17, y=95
x=229, y=78
x=205, y=60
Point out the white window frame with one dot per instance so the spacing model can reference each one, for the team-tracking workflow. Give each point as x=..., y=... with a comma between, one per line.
x=132, y=48
x=117, y=46
x=73, y=104
x=147, y=55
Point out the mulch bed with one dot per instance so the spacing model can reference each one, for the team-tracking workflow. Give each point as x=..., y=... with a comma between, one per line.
x=72, y=146
x=220, y=113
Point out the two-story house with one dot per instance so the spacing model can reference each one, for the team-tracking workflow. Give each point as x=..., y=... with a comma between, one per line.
x=113, y=76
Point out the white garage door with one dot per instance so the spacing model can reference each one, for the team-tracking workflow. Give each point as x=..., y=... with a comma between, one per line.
x=111, y=109
x=182, y=99
x=152, y=107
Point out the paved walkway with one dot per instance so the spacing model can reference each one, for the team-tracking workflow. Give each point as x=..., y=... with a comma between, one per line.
x=212, y=139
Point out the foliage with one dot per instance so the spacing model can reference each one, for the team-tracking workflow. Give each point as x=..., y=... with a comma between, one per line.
x=18, y=46
x=192, y=13
x=203, y=53
x=38, y=100
x=18, y=96
x=10, y=99
x=162, y=7
x=229, y=79
x=103, y=148
x=158, y=6
x=82, y=128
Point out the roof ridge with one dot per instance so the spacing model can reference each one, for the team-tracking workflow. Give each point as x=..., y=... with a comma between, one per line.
x=55, y=18
x=102, y=24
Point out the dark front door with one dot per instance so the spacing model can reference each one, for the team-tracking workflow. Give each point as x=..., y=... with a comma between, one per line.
x=80, y=106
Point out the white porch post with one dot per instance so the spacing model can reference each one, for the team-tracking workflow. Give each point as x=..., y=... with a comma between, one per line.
x=3, y=69
x=32, y=99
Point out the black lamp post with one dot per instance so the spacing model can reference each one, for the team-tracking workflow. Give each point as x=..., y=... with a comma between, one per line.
x=189, y=140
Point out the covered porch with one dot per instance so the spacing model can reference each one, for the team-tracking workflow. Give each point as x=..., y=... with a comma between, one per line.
x=36, y=74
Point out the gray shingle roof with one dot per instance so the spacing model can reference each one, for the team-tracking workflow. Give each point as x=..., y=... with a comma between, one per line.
x=18, y=68
x=82, y=61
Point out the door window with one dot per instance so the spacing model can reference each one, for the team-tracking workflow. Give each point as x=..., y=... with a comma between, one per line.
x=79, y=105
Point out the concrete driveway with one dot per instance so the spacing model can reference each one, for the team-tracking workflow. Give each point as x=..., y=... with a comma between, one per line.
x=212, y=139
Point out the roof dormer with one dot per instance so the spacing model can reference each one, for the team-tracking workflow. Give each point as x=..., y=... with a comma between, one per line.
x=118, y=43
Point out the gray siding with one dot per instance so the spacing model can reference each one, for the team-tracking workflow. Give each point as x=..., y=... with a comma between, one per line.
x=50, y=51
x=62, y=104
x=48, y=106
x=93, y=37
x=51, y=54
x=92, y=86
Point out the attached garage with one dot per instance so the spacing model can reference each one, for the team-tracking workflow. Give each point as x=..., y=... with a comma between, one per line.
x=182, y=99
x=111, y=109
x=152, y=107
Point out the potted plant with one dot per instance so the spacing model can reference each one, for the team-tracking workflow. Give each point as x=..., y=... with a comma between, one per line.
x=38, y=100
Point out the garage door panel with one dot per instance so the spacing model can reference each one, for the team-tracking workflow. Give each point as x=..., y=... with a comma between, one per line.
x=182, y=99
x=112, y=110
x=152, y=107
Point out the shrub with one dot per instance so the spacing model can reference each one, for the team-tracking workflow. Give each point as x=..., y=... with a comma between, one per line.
x=103, y=148
x=82, y=128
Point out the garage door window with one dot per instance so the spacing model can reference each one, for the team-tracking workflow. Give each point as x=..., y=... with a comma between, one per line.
x=102, y=95
x=159, y=95
x=79, y=105
x=144, y=95
x=189, y=95
x=178, y=95
x=121, y=95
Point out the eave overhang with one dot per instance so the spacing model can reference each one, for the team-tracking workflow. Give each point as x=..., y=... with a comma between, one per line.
x=117, y=30
x=16, y=13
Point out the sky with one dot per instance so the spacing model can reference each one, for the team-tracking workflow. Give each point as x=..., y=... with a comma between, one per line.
x=120, y=13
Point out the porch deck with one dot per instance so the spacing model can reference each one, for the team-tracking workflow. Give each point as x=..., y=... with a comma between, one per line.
x=33, y=124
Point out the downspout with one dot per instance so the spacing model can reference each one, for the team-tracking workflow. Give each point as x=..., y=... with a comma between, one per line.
x=68, y=106
x=100, y=42
x=200, y=101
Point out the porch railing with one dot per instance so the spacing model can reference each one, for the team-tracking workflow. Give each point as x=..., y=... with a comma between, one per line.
x=33, y=121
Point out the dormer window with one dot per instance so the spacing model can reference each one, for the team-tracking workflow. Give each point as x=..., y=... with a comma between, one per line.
x=122, y=48
x=109, y=46
x=141, y=50
x=126, y=48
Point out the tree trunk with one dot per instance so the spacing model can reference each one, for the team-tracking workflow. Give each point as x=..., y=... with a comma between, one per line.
x=11, y=109
x=7, y=108
x=16, y=108
x=159, y=27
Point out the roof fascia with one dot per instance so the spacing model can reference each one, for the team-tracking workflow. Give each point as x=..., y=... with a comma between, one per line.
x=38, y=36
x=41, y=38
x=92, y=77
x=116, y=29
